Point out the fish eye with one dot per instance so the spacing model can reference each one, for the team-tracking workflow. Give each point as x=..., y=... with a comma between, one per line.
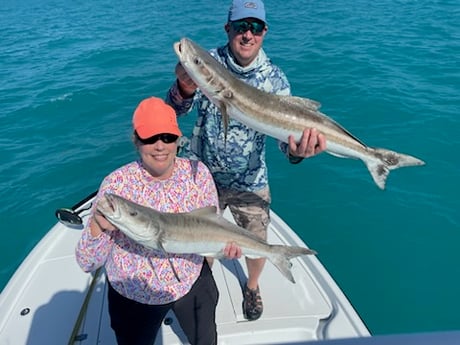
x=133, y=214
x=196, y=61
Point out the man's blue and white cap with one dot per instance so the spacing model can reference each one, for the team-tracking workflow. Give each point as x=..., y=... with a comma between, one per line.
x=246, y=9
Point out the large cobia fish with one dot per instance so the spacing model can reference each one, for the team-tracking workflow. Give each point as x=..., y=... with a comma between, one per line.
x=201, y=231
x=281, y=116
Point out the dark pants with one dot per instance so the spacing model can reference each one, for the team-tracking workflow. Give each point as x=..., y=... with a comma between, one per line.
x=135, y=323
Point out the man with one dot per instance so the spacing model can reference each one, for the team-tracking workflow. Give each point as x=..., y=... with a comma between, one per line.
x=236, y=159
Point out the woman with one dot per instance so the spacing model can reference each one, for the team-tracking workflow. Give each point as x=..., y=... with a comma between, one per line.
x=145, y=284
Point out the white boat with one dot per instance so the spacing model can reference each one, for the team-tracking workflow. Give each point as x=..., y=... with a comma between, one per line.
x=50, y=300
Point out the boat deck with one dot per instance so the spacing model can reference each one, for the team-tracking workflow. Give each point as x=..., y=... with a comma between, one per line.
x=42, y=301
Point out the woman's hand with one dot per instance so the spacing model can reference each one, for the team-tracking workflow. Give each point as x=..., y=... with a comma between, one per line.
x=99, y=224
x=232, y=251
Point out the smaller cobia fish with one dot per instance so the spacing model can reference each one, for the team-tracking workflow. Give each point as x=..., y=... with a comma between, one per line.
x=281, y=116
x=201, y=231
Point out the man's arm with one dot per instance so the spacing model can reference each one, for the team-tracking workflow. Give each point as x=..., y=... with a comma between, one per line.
x=180, y=95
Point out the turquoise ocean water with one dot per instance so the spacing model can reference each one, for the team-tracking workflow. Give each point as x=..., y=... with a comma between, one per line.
x=72, y=72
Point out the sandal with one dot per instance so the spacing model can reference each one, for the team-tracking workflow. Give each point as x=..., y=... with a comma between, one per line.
x=252, y=303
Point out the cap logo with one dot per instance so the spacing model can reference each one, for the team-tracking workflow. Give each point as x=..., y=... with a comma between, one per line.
x=250, y=5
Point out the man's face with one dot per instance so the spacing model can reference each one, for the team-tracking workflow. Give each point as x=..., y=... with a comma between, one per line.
x=245, y=37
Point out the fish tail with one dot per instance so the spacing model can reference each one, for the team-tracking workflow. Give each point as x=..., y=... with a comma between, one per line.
x=281, y=256
x=387, y=160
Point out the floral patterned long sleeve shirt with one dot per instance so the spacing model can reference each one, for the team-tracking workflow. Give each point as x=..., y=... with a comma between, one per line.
x=239, y=161
x=136, y=272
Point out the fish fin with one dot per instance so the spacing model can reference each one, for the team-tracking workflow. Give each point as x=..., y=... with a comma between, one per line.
x=225, y=119
x=219, y=255
x=211, y=254
x=337, y=155
x=302, y=102
x=284, y=266
x=281, y=256
x=203, y=211
x=165, y=253
x=388, y=160
x=210, y=213
x=250, y=256
x=161, y=248
x=379, y=173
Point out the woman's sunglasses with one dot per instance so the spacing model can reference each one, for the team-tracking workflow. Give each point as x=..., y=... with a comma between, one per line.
x=167, y=138
x=241, y=26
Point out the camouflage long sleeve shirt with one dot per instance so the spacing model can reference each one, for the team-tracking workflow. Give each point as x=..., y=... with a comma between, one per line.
x=238, y=162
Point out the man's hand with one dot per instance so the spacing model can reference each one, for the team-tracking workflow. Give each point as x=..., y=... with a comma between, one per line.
x=311, y=143
x=187, y=86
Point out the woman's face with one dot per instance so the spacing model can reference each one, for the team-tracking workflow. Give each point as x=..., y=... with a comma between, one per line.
x=158, y=154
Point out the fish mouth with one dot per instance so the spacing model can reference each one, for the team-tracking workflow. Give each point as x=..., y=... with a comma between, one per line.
x=177, y=48
x=183, y=43
x=107, y=205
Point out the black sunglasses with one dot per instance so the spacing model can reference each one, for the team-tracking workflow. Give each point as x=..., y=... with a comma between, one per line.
x=241, y=26
x=167, y=138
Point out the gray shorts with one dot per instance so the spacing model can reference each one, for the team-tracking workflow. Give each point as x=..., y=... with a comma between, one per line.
x=251, y=210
